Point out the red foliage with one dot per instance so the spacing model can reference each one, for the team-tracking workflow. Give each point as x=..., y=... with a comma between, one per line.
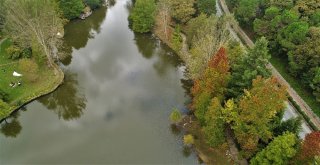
x=220, y=61
x=310, y=146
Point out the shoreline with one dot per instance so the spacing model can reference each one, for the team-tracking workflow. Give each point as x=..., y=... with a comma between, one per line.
x=58, y=81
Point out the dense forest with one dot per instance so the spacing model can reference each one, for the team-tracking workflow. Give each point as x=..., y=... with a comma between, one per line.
x=292, y=28
x=232, y=86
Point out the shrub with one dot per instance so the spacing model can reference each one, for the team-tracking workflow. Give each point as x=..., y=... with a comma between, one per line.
x=188, y=139
x=26, y=53
x=14, y=52
x=4, y=96
x=175, y=115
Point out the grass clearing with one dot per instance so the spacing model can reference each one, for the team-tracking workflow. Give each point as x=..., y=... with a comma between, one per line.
x=47, y=81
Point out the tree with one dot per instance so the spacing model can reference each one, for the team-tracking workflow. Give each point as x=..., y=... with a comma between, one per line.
x=252, y=65
x=246, y=11
x=207, y=7
x=292, y=125
x=206, y=42
x=292, y=35
x=38, y=24
x=251, y=119
x=315, y=84
x=94, y=3
x=71, y=8
x=175, y=116
x=214, y=127
x=142, y=15
x=163, y=18
x=212, y=83
x=305, y=56
x=182, y=10
x=279, y=151
x=282, y=4
x=310, y=147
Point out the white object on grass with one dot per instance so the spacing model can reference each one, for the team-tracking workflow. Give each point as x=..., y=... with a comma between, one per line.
x=16, y=74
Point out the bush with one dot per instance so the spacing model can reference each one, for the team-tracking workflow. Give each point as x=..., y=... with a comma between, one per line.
x=14, y=52
x=175, y=115
x=188, y=139
x=26, y=53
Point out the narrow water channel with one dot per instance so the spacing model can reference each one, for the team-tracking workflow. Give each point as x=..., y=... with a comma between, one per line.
x=113, y=108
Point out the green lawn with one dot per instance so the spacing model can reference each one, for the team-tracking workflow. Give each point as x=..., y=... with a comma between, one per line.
x=281, y=65
x=27, y=91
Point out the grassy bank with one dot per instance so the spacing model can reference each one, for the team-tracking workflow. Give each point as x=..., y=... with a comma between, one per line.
x=48, y=80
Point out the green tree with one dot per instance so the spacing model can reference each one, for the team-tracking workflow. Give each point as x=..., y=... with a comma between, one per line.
x=279, y=151
x=206, y=6
x=93, y=3
x=142, y=15
x=293, y=35
x=182, y=10
x=315, y=84
x=292, y=125
x=214, y=127
x=282, y=4
x=71, y=8
x=246, y=11
x=254, y=63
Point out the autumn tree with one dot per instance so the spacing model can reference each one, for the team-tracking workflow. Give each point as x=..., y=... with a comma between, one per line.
x=163, y=18
x=38, y=24
x=182, y=10
x=310, y=147
x=175, y=116
x=206, y=41
x=279, y=151
x=251, y=118
x=211, y=84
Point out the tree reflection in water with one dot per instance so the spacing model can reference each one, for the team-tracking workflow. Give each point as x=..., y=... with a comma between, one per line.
x=66, y=101
x=77, y=38
x=11, y=126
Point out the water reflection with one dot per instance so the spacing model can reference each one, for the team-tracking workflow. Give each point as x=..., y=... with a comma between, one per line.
x=79, y=32
x=67, y=102
x=145, y=44
x=11, y=126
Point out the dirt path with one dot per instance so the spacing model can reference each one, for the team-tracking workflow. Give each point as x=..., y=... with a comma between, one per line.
x=304, y=106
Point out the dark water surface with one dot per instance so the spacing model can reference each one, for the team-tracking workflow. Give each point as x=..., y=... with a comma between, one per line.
x=113, y=108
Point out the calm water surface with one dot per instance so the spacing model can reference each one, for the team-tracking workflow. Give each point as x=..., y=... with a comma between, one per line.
x=113, y=108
